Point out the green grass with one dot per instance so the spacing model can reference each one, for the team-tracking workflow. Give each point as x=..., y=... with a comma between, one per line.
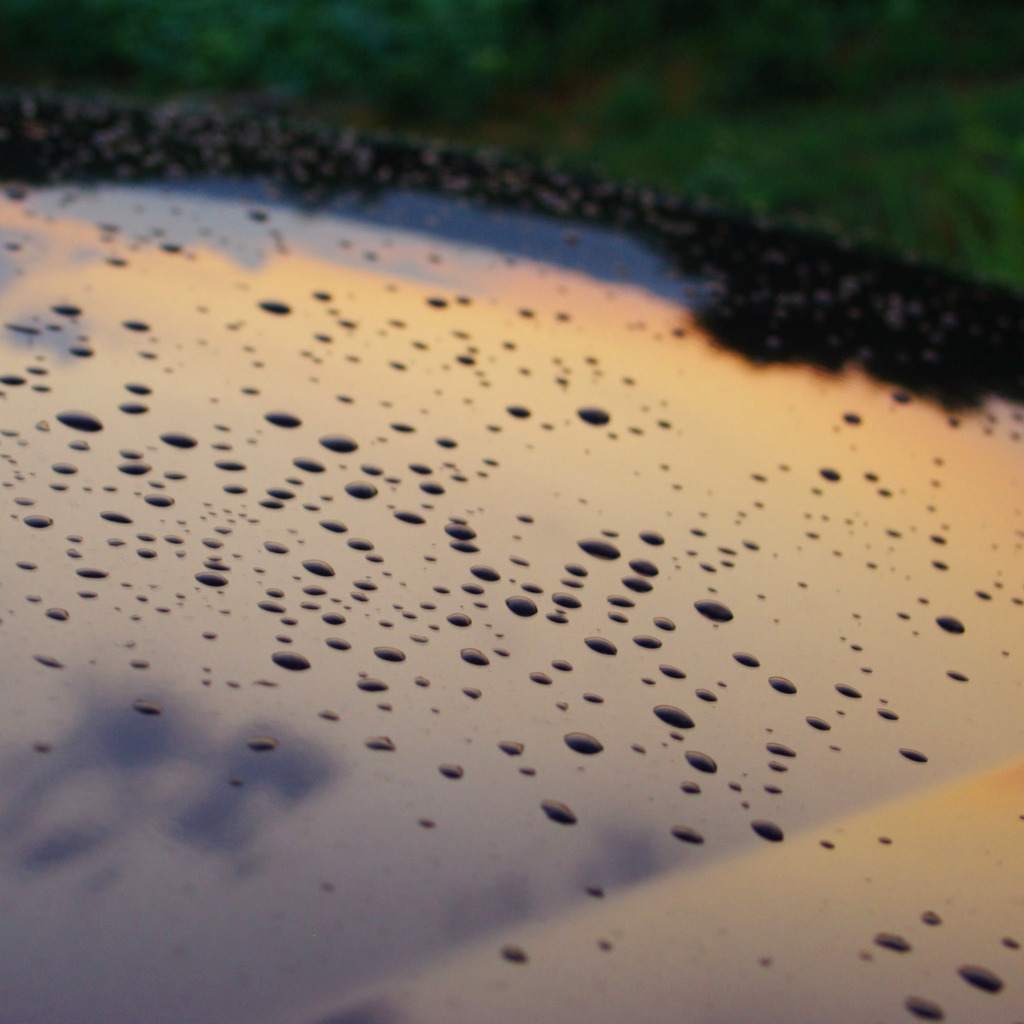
x=901, y=121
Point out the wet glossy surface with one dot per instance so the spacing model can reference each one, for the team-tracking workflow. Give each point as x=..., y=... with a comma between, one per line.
x=397, y=630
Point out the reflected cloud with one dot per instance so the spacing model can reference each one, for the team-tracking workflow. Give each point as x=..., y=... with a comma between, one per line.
x=117, y=772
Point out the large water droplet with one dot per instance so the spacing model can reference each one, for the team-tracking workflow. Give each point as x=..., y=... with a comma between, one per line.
x=520, y=605
x=212, y=579
x=291, y=661
x=714, y=610
x=600, y=549
x=318, y=567
x=981, y=977
x=593, y=415
x=38, y=522
x=78, y=420
x=768, y=830
x=583, y=743
x=283, y=419
x=176, y=439
x=950, y=625
x=702, y=762
x=600, y=644
x=674, y=716
x=338, y=443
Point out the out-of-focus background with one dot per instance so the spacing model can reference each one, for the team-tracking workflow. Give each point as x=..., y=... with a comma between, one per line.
x=899, y=122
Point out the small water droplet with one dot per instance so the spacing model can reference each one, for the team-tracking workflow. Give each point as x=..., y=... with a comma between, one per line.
x=913, y=755
x=147, y=707
x=924, y=1008
x=389, y=654
x=280, y=308
x=451, y=771
x=514, y=954
x=687, y=835
x=557, y=811
x=380, y=743
x=262, y=743
x=894, y=942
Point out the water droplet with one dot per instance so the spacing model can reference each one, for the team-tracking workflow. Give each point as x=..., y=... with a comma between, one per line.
x=451, y=771
x=338, y=443
x=848, y=691
x=713, y=610
x=290, y=660
x=360, y=489
x=949, y=624
x=59, y=614
x=473, y=656
x=818, y=723
x=895, y=942
x=280, y=308
x=557, y=811
x=687, y=835
x=747, y=659
x=511, y=748
x=212, y=579
x=262, y=743
x=593, y=415
x=702, y=762
x=77, y=420
x=643, y=567
x=520, y=605
x=178, y=440
x=780, y=749
x=147, y=707
x=115, y=517
x=283, y=419
x=583, y=743
x=652, y=537
x=514, y=954
x=380, y=743
x=317, y=567
x=414, y=518
x=599, y=549
x=389, y=654
x=924, y=1008
x=674, y=716
x=600, y=644
x=38, y=522
x=913, y=755
x=485, y=572
x=519, y=411
x=782, y=684
x=768, y=830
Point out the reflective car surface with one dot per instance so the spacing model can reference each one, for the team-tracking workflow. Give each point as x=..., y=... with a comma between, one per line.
x=416, y=609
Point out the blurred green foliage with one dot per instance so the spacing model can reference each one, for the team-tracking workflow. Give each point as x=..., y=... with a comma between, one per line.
x=902, y=118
